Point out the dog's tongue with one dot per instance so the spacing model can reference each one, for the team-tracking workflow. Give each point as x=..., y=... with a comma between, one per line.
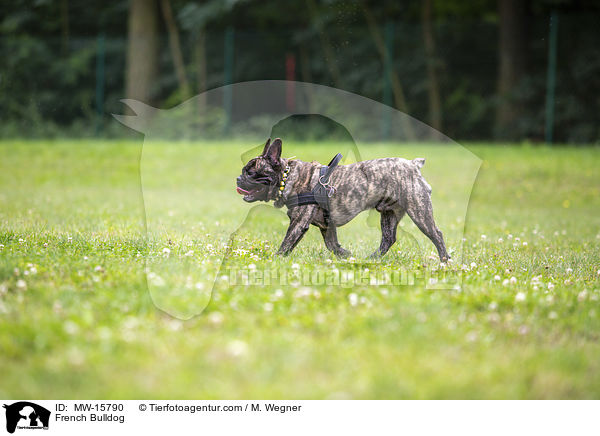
x=242, y=191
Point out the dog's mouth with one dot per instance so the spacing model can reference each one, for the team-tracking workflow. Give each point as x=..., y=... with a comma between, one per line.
x=250, y=195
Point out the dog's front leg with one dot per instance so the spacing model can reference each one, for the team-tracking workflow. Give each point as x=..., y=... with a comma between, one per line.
x=300, y=219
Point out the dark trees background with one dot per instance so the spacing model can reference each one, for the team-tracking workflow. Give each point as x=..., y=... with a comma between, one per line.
x=475, y=70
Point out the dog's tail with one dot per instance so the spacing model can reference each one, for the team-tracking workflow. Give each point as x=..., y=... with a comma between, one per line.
x=419, y=162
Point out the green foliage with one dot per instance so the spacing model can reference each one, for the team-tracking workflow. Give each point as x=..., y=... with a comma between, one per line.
x=47, y=77
x=76, y=318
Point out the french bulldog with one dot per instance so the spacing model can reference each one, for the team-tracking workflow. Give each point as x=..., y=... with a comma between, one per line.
x=392, y=186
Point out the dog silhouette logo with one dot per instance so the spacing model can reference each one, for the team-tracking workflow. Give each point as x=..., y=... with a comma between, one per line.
x=26, y=415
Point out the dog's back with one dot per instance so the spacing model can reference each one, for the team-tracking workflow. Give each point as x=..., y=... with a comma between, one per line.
x=382, y=184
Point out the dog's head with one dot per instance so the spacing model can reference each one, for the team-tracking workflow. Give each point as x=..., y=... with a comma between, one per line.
x=261, y=176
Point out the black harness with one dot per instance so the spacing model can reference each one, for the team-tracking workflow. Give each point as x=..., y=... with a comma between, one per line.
x=321, y=193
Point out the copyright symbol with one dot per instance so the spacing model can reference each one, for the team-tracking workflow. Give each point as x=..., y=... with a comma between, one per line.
x=142, y=407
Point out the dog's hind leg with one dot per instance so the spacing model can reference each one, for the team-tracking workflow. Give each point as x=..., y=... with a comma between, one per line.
x=331, y=241
x=389, y=224
x=422, y=216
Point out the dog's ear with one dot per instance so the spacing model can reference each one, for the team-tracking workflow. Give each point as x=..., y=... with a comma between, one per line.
x=273, y=152
x=264, y=153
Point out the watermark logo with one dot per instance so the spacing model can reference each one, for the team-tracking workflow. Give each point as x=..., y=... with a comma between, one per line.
x=203, y=239
x=24, y=415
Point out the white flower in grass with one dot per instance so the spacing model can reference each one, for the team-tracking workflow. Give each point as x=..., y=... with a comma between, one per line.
x=473, y=265
x=550, y=286
x=524, y=244
x=553, y=315
x=471, y=337
x=569, y=270
x=155, y=279
x=237, y=348
x=98, y=268
x=70, y=327
x=189, y=253
x=69, y=239
x=505, y=282
x=520, y=296
x=295, y=266
x=216, y=318
x=582, y=295
x=21, y=285
x=500, y=240
x=45, y=245
x=268, y=307
x=21, y=240
x=510, y=236
x=166, y=251
x=496, y=277
x=278, y=294
x=2, y=248
x=174, y=325
x=483, y=237
x=303, y=292
x=513, y=280
x=517, y=239
x=493, y=306
x=353, y=299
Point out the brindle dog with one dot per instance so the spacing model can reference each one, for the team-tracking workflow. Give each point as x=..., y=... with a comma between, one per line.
x=392, y=186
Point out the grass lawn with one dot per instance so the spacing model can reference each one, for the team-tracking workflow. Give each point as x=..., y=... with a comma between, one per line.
x=79, y=320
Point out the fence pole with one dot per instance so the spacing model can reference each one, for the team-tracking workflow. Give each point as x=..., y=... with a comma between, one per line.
x=551, y=78
x=228, y=73
x=387, y=81
x=100, y=51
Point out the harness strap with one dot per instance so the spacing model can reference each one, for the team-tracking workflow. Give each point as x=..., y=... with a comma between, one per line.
x=321, y=192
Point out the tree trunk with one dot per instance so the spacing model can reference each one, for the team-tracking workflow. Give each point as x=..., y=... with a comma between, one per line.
x=200, y=63
x=175, y=46
x=142, y=50
x=513, y=65
x=399, y=99
x=433, y=86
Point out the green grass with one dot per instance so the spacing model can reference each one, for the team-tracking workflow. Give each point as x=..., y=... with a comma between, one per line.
x=77, y=318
